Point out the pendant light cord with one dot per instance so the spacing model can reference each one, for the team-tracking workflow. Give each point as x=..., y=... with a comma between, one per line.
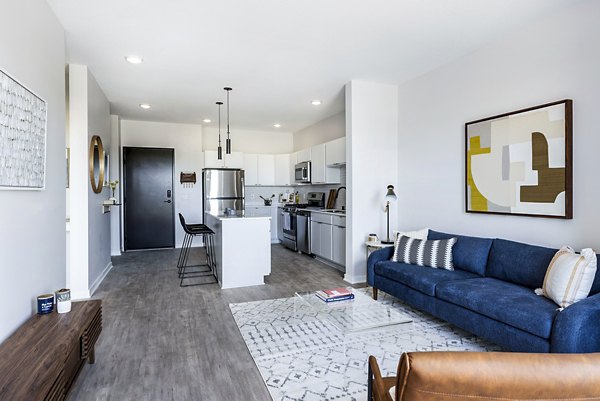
x=219, y=103
x=228, y=90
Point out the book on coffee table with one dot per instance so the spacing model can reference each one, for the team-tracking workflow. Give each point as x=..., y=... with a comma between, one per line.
x=335, y=294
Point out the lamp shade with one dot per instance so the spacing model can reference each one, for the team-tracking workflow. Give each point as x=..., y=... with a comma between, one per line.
x=390, y=195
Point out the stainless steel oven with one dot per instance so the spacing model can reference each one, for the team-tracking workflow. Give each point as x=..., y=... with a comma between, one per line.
x=289, y=223
x=302, y=172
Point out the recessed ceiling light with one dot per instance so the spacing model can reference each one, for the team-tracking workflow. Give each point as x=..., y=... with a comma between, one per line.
x=145, y=106
x=134, y=59
x=276, y=125
x=207, y=120
x=315, y=102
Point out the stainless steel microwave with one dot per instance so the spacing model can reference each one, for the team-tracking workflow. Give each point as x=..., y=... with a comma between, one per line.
x=302, y=172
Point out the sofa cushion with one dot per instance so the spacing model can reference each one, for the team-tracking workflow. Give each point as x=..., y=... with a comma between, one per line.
x=519, y=263
x=469, y=253
x=422, y=252
x=509, y=303
x=418, y=277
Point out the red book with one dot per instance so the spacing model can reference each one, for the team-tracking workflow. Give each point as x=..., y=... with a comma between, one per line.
x=335, y=292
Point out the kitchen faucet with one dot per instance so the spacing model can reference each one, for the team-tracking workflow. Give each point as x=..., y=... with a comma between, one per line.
x=337, y=192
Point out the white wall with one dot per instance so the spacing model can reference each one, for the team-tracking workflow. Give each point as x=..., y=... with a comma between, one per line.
x=553, y=59
x=323, y=131
x=98, y=222
x=249, y=141
x=89, y=238
x=372, y=160
x=186, y=139
x=32, y=223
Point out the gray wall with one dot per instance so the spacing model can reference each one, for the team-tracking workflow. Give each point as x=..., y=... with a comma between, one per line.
x=553, y=59
x=32, y=223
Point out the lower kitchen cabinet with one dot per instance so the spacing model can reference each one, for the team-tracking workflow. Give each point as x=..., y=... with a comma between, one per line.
x=339, y=245
x=328, y=237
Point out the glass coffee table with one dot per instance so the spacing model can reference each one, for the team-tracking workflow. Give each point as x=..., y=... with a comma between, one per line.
x=356, y=315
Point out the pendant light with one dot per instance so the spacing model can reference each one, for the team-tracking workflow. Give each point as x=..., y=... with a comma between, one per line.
x=219, y=149
x=228, y=140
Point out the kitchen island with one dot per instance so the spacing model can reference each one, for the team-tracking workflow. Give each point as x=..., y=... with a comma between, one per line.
x=242, y=249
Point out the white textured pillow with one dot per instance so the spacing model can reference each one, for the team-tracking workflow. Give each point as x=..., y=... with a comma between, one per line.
x=570, y=276
x=418, y=234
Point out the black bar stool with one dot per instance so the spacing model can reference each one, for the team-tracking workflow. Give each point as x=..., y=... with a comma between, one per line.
x=191, y=231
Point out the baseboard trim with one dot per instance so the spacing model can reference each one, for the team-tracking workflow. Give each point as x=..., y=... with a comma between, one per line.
x=100, y=278
x=80, y=295
x=355, y=279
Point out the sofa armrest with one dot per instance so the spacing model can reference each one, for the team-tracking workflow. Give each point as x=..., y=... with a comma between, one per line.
x=451, y=376
x=375, y=257
x=577, y=327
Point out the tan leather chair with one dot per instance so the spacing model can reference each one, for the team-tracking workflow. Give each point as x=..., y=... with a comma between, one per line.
x=486, y=376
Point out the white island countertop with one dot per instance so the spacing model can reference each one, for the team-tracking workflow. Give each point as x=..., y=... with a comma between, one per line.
x=242, y=249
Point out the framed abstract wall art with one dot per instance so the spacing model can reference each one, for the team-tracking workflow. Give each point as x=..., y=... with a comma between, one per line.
x=520, y=163
x=22, y=136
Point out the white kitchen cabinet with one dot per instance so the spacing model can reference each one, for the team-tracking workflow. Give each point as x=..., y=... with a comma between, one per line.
x=293, y=160
x=320, y=172
x=318, y=164
x=266, y=169
x=233, y=160
x=251, y=168
x=303, y=155
x=338, y=243
x=335, y=152
x=326, y=238
x=282, y=169
x=315, y=237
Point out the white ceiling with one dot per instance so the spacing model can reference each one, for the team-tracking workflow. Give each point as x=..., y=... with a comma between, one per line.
x=278, y=55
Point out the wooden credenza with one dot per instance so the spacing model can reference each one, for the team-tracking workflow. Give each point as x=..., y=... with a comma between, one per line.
x=42, y=359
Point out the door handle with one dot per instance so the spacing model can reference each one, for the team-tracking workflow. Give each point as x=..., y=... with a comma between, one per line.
x=167, y=201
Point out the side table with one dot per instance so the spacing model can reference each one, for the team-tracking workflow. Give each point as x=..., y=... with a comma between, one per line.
x=372, y=247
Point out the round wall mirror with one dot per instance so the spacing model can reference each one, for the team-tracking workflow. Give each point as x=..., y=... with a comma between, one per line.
x=96, y=164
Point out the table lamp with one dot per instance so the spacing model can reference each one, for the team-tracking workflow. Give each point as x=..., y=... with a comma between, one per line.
x=390, y=195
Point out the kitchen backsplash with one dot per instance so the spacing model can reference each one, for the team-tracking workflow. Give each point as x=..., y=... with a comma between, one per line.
x=253, y=194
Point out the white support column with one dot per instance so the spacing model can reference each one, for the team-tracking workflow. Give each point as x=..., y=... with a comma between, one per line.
x=372, y=164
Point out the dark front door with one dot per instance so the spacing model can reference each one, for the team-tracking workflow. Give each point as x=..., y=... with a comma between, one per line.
x=148, y=186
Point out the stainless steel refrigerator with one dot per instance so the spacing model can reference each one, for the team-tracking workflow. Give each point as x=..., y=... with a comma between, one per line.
x=223, y=189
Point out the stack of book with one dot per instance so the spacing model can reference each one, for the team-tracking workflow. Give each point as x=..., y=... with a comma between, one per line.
x=335, y=294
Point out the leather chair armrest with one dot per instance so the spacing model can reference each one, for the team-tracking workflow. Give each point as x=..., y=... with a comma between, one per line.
x=577, y=327
x=377, y=256
x=441, y=376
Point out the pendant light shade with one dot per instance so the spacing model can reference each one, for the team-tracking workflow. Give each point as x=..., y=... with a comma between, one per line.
x=228, y=140
x=219, y=149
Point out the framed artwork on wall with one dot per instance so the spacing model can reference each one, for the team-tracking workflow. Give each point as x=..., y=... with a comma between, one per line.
x=520, y=163
x=23, y=117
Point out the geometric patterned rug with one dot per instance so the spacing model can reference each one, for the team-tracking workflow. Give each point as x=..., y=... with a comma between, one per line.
x=301, y=357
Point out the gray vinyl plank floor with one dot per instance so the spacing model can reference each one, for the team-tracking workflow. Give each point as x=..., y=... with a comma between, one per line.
x=161, y=342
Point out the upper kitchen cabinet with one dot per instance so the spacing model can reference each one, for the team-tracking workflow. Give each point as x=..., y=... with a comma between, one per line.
x=335, y=152
x=260, y=169
x=320, y=172
x=233, y=160
x=283, y=173
x=303, y=155
x=266, y=169
x=251, y=168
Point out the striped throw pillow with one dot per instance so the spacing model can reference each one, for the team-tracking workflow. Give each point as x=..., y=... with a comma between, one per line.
x=569, y=277
x=437, y=253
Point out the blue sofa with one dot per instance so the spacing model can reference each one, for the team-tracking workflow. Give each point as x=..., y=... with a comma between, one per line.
x=491, y=294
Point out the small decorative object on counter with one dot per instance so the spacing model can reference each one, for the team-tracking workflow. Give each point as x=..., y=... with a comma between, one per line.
x=268, y=201
x=113, y=187
x=63, y=300
x=45, y=304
